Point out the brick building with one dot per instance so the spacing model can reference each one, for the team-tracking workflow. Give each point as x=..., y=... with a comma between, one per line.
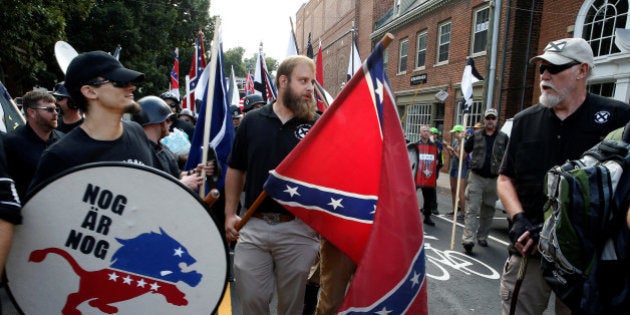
x=434, y=38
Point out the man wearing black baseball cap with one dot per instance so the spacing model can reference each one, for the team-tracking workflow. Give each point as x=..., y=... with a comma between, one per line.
x=103, y=89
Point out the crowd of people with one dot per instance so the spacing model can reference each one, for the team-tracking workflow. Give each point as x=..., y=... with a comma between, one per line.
x=81, y=121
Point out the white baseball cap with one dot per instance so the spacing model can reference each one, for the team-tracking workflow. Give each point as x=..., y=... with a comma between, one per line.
x=566, y=50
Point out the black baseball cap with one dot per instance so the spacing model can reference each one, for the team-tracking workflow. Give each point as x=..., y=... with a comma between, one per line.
x=90, y=65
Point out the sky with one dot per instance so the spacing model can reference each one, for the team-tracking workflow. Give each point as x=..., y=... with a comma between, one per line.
x=246, y=23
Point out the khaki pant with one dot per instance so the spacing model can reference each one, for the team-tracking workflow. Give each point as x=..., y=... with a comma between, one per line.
x=269, y=256
x=481, y=195
x=336, y=271
x=534, y=294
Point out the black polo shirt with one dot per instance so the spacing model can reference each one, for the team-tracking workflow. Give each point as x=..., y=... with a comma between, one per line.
x=261, y=143
x=24, y=148
x=540, y=140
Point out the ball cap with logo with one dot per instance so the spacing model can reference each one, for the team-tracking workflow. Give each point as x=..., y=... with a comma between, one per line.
x=566, y=50
x=91, y=65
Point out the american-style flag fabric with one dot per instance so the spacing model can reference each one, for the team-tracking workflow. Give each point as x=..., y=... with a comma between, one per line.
x=358, y=196
x=262, y=80
x=249, y=88
x=196, y=68
x=175, y=74
x=221, y=128
x=470, y=76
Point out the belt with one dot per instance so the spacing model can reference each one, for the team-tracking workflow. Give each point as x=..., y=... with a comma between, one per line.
x=274, y=218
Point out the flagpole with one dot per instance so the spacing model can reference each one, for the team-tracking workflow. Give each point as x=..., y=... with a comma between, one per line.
x=459, y=181
x=210, y=103
x=321, y=95
x=385, y=41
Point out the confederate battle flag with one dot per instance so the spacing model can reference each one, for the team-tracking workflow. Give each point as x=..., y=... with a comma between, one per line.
x=349, y=180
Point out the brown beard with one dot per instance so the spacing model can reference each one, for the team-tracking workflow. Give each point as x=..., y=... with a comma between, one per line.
x=301, y=108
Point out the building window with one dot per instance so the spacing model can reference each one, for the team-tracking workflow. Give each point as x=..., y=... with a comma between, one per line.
x=417, y=115
x=444, y=41
x=402, y=55
x=474, y=116
x=480, y=30
x=421, y=50
x=606, y=89
x=603, y=17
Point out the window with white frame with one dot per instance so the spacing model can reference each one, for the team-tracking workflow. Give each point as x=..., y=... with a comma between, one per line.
x=444, y=42
x=475, y=113
x=417, y=115
x=403, y=53
x=603, y=17
x=606, y=89
x=480, y=30
x=421, y=49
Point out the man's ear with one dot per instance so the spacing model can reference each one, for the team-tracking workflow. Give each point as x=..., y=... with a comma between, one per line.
x=88, y=92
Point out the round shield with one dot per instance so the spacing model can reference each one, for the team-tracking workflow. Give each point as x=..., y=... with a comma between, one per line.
x=116, y=238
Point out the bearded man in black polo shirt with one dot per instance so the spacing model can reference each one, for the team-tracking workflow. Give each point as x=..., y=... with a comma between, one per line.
x=275, y=248
x=566, y=122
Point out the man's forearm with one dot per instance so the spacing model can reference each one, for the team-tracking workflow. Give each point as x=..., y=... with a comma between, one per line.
x=234, y=183
x=507, y=193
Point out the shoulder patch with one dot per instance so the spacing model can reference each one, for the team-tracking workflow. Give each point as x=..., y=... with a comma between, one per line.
x=601, y=117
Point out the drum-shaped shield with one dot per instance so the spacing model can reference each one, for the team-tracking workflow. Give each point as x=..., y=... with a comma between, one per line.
x=116, y=238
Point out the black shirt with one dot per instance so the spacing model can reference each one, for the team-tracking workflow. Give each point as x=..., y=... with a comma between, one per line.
x=77, y=148
x=164, y=159
x=9, y=201
x=24, y=148
x=540, y=140
x=65, y=128
x=261, y=143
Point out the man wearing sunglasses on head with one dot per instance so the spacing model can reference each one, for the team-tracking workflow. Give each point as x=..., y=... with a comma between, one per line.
x=103, y=90
x=566, y=122
x=71, y=116
x=24, y=146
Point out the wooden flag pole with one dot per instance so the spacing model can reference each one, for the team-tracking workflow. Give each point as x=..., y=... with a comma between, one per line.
x=385, y=41
x=210, y=103
x=459, y=182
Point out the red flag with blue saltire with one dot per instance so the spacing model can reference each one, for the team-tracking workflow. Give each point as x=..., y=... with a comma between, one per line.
x=319, y=77
x=362, y=200
x=263, y=83
x=175, y=75
x=196, y=68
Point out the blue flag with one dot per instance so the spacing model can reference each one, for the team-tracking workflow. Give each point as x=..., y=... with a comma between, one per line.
x=221, y=128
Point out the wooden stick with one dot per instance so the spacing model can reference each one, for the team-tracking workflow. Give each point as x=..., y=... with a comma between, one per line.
x=212, y=197
x=251, y=210
x=459, y=182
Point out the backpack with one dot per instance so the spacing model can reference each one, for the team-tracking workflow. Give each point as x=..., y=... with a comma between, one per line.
x=584, y=239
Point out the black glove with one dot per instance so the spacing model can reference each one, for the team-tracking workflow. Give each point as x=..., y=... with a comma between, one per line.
x=520, y=224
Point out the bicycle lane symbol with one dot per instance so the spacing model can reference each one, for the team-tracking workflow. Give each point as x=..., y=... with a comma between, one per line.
x=456, y=260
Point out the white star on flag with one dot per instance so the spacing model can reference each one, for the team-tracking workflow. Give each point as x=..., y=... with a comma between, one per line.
x=379, y=89
x=415, y=279
x=292, y=191
x=383, y=311
x=335, y=203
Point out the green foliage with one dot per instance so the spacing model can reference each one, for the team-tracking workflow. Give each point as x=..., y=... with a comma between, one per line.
x=148, y=32
x=234, y=58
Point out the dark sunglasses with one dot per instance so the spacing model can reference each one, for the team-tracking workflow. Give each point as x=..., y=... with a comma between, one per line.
x=59, y=98
x=555, y=69
x=491, y=117
x=49, y=109
x=118, y=84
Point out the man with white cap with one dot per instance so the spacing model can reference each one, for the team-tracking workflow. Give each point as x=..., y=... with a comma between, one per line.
x=103, y=90
x=566, y=122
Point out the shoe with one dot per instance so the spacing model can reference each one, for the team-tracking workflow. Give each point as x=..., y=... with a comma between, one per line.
x=482, y=243
x=435, y=211
x=450, y=213
x=460, y=216
x=468, y=246
x=428, y=221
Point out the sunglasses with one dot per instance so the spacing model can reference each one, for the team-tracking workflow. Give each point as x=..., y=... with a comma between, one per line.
x=118, y=84
x=59, y=98
x=49, y=109
x=491, y=117
x=555, y=69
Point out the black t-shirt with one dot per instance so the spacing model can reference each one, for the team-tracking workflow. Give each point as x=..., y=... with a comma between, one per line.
x=77, y=148
x=65, y=128
x=539, y=140
x=9, y=200
x=24, y=148
x=164, y=159
x=261, y=143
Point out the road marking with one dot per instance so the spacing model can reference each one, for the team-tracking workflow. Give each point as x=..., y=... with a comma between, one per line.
x=500, y=241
